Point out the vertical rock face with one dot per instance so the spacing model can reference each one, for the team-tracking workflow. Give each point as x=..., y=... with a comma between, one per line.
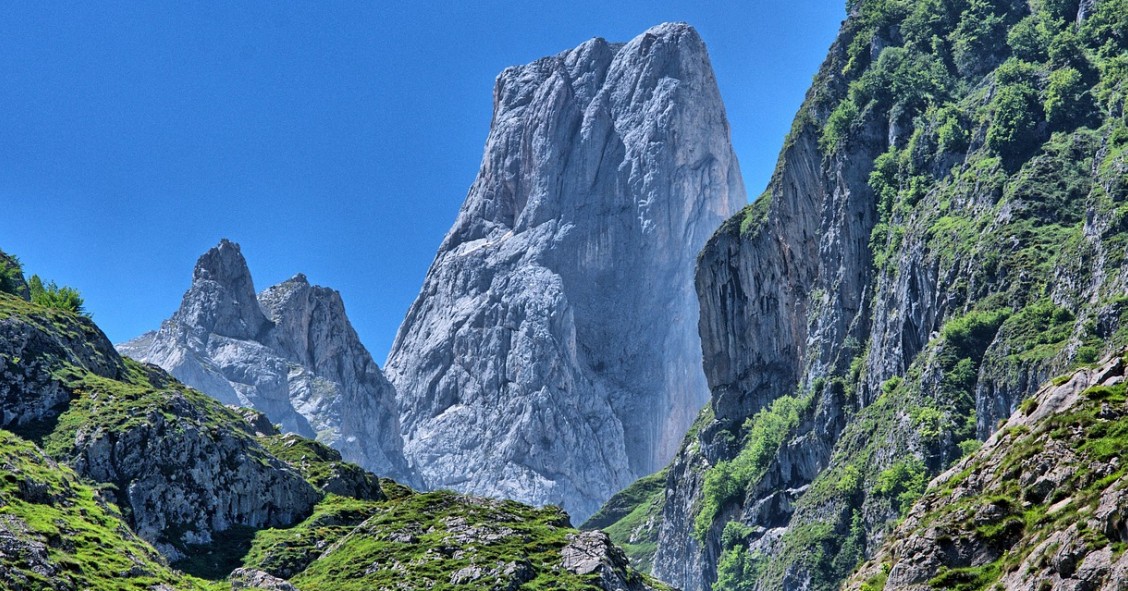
x=289, y=352
x=552, y=354
x=912, y=274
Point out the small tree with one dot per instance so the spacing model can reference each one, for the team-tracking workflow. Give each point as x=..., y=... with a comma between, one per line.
x=11, y=274
x=51, y=295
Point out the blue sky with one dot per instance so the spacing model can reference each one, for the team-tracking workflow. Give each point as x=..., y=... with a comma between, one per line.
x=336, y=139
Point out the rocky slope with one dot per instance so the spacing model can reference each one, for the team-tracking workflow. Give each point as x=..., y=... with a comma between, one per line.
x=552, y=355
x=223, y=494
x=58, y=533
x=289, y=352
x=944, y=232
x=1045, y=500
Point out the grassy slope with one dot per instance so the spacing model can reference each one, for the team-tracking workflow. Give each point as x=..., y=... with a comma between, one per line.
x=87, y=543
x=996, y=507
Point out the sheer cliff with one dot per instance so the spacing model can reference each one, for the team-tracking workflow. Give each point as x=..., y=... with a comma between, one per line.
x=552, y=354
x=289, y=352
x=944, y=231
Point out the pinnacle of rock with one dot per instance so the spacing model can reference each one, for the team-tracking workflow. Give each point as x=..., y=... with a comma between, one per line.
x=552, y=355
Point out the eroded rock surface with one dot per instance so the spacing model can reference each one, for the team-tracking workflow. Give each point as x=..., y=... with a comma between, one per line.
x=552, y=355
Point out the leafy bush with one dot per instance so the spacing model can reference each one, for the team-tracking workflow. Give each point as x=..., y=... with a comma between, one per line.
x=1012, y=132
x=51, y=295
x=11, y=274
x=970, y=335
x=902, y=483
x=977, y=40
x=1029, y=39
x=838, y=125
x=1066, y=98
x=951, y=135
x=738, y=570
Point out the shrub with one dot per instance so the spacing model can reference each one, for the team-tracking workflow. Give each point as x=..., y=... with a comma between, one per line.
x=838, y=125
x=977, y=41
x=1012, y=133
x=1030, y=38
x=51, y=295
x=902, y=483
x=738, y=570
x=971, y=334
x=11, y=274
x=1066, y=98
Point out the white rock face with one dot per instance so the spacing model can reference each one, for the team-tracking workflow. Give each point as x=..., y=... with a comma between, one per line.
x=289, y=352
x=552, y=355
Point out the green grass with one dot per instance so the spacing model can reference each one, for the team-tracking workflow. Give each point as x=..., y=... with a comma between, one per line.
x=87, y=541
x=422, y=540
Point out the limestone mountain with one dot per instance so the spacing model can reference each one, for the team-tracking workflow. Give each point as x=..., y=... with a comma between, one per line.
x=943, y=233
x=289, y=352
x=110, y=469
x=551, y=355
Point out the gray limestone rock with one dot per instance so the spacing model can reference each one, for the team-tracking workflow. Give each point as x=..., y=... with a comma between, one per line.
x=592, y=553
x=289, y=352
x=552, y=355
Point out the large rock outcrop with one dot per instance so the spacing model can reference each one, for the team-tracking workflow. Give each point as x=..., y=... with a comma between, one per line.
x=184, y=467
x=937, y=240
x=289, y=352
x=552, y=355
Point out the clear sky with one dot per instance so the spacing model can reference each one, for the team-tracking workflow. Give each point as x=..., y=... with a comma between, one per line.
x=336, y=139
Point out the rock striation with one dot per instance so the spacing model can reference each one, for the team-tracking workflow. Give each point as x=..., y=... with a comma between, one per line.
x=289, y=352
x=551, y=355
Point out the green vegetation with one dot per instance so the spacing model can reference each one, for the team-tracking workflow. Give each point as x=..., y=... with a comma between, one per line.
x=1008, y=512
x=729, y=480
x=86, y=541
x=321, y=465
x=51, y=295
x=754, y=214
x=903, y=483
x=287, y=552
x=11, y=274
x=738, y=569
x=631, y=518
x=440, y=534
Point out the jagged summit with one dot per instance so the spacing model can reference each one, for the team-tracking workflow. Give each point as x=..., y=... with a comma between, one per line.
x=222, y=296
x=552, y=354
x=289, y=352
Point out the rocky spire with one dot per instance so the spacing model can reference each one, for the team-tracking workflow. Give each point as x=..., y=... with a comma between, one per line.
x=552, y=355
x=222, y=297
x=289, y=352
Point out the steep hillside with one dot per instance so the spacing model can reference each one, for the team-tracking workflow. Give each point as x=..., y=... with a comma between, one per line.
x=224, y=495
x=945, y=230
x=1044, y=501
x=551, y=355
x=59, y=533
x=289, y=352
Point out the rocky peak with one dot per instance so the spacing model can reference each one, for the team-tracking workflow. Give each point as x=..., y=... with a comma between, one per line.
x=289, y=352
x=222, y=297
x=606, y=169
